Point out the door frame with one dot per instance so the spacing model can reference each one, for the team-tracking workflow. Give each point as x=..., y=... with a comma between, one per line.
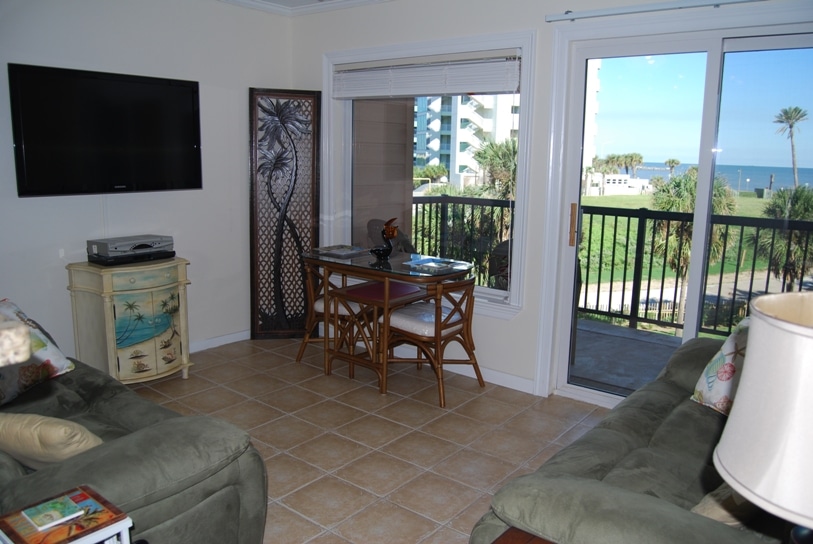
x=637, y=35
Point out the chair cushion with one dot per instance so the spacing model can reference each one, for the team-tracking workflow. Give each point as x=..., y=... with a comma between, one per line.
x=319, y=307
x=419, y=319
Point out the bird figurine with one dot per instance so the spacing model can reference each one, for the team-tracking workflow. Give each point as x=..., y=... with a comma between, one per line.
x=390, y=231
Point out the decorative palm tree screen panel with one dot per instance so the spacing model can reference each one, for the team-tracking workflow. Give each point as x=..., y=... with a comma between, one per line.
x=284, y=207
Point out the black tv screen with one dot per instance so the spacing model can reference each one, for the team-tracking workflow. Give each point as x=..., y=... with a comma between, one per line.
x=81, y=132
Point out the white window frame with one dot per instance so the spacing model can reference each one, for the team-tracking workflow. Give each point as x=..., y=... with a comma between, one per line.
x=639, y=35
x=337, y=149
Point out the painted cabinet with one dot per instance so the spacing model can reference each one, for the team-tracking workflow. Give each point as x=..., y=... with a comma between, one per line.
x=131, y=320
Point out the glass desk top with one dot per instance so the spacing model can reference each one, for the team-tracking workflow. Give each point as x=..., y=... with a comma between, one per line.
x=413, y=265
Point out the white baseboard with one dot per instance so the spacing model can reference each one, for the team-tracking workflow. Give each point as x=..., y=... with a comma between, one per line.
x=219, y=341
x=490, y=376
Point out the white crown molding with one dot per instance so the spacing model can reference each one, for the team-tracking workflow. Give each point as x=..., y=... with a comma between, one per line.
x=305, y=7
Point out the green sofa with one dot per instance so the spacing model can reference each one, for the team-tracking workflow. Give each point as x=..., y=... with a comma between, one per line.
x=182, y=480
x=635, y=477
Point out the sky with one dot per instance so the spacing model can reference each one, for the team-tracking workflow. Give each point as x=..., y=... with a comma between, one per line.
x=652, y=105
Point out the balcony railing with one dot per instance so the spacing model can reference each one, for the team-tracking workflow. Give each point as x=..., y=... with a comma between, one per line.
x=467, y=229
x=633, y=263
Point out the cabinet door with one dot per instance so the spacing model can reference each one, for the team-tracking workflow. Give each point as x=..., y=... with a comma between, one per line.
x=168, y=344
x=147, y=335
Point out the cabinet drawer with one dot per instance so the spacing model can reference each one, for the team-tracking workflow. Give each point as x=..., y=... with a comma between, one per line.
x=144, y=279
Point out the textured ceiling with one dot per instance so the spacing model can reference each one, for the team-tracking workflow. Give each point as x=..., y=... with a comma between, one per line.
x=300, y=7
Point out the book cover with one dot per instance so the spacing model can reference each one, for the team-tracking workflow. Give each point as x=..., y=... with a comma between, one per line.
x=49, y=513
x=95, y=513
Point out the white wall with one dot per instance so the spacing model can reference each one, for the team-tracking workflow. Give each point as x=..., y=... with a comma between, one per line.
x=513, y=350
x=227, y=49
x=507, y=348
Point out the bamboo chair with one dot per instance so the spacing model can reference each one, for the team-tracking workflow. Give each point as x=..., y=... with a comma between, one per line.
x=431, y=326
x=315, y=289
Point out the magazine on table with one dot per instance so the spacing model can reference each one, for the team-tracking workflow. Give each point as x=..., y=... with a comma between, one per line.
x=341, y=251
x=55, y=521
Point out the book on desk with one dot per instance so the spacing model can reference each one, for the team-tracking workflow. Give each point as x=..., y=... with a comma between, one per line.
x=433, y=265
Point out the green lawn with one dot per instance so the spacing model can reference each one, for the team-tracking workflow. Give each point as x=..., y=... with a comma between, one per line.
x=748, y=204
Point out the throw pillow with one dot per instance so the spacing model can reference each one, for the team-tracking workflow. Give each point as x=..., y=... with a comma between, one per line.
x=37, y=441
x=718, y=383
x=726, y=506
x=46, y=360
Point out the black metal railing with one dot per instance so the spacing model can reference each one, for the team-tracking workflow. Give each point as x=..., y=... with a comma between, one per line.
x=759, y=256
x=634, y=266
x=477, y=230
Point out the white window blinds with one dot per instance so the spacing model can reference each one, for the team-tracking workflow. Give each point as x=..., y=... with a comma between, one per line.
x=491, y=72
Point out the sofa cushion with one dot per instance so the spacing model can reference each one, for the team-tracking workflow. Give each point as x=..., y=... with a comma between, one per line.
x=46, y=361
x=37, y=441
x=717, y=384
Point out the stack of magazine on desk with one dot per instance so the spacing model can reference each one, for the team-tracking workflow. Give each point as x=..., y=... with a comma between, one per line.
x=341, y=251
x=432, y=265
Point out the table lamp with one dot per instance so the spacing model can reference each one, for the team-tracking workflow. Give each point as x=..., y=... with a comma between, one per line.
x=766, y=450
x=15, y=342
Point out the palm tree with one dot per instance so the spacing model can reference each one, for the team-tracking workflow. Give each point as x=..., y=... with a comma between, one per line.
x=432, y=171
x=281, y=123
x=672, y=164
x=171, y=306
x=633, y=161
x=132, y=308
x=787, y=251
x=499, y=160
x=673, y=239
x=613, y=162
x=789, y=118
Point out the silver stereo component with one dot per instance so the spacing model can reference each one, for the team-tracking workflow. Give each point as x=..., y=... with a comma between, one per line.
x=130, y=249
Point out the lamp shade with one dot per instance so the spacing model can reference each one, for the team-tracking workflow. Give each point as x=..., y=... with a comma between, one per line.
x=766, y=450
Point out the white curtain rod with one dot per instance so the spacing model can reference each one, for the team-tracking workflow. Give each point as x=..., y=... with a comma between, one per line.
x=643, y=8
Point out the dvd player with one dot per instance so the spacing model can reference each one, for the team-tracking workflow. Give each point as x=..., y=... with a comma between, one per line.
x=130, y=249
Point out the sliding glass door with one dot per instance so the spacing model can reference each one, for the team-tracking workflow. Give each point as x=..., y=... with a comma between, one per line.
x=684, y=144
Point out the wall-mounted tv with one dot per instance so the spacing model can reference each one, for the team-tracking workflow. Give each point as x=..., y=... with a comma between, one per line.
x=80, y=132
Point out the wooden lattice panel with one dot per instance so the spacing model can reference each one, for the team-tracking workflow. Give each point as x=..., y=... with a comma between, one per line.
x=284, y=207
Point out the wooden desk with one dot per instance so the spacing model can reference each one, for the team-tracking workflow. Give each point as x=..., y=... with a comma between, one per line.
x=518, y=536
x=391, y=285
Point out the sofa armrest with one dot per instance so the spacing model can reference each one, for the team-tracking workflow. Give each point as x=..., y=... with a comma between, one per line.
x=688, y=361
x=141, y=468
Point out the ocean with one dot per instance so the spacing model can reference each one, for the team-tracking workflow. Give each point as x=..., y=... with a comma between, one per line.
x=740, y=178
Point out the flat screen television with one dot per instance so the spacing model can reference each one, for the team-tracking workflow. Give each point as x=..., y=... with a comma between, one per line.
x=80, y=132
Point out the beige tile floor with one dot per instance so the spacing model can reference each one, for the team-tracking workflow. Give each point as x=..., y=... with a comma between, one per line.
x=346, y=464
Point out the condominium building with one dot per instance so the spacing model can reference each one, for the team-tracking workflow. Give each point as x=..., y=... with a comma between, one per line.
x=450, y=129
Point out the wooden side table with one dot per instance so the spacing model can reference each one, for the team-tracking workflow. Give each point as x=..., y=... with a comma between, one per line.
x=518, y=536
x=101, y=523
